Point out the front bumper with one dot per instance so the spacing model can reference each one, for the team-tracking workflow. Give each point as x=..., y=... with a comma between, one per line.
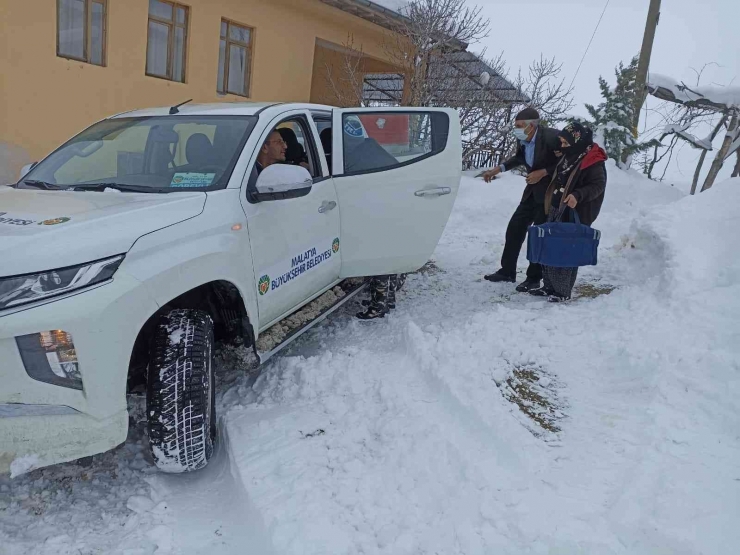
x=41, y=435
x=104, y=322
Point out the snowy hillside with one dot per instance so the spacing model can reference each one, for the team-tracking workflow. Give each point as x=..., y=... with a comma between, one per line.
x=474, y=420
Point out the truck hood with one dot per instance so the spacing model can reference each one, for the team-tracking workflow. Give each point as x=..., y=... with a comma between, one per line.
x=45, y=230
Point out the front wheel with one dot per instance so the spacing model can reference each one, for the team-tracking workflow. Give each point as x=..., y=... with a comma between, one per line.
x=180, y=397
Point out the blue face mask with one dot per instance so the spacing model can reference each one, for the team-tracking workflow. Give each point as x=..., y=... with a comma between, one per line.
x=521, y=134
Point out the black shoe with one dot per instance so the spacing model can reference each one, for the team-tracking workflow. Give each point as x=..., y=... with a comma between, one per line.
x=500, y=277
x=527, y=285
x=557, y=299
x=371, y=313
x=541, y=292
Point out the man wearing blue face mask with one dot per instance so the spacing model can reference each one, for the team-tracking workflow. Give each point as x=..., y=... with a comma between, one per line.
x=536, y=152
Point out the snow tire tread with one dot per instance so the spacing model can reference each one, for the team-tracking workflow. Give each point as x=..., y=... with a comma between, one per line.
x=180, y=403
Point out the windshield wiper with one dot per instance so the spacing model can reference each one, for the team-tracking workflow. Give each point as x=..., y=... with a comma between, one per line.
x=44, y=185
x=117, y=186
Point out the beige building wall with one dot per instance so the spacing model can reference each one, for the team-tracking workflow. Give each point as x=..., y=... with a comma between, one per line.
x=331, y=84
x=45, y=99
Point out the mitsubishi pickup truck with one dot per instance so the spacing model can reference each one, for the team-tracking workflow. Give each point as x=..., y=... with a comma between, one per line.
x=131, y=250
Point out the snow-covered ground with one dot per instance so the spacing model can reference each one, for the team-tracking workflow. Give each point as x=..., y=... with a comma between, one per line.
x=474, y=420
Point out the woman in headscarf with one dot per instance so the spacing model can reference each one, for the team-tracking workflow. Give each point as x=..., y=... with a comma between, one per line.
x=578, y=185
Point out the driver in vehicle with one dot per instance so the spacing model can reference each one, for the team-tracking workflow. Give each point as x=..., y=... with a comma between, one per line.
x=272, y=152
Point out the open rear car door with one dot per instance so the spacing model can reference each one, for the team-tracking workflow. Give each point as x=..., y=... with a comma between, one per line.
x=397, y=173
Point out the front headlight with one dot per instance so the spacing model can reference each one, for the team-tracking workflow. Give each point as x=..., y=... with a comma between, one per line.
x=29, y=288
x=50, y=357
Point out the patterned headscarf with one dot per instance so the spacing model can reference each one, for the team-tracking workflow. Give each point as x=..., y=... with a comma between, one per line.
x=580, y=138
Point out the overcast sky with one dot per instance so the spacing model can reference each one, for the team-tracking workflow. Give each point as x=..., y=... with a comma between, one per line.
x=691, y=33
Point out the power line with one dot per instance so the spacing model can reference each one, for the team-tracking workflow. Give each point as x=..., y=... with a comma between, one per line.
x=589, y=43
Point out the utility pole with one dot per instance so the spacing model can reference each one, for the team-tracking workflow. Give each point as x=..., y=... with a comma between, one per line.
x=644, y=63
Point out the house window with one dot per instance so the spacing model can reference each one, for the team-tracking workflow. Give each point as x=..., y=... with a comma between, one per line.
x=81, y=30
x=166, y=40
x=235, y=59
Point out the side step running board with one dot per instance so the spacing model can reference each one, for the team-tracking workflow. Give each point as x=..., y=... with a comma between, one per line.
x=296, y=333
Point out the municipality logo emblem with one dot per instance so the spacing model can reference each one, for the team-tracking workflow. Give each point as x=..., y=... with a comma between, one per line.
x=353, y=127
x=264, y=285
x=335, y=245
x=54, y=221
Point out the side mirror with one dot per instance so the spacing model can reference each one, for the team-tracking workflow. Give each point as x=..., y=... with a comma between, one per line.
x=280, y=179
x=25, y=169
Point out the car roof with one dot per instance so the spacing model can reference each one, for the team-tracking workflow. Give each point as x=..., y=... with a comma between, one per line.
x=220, y=109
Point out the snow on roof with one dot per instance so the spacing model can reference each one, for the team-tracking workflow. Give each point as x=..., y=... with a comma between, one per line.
x=381, y=12
x=712, y=98
x=395, y=5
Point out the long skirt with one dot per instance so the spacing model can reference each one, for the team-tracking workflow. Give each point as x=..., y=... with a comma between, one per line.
x=560, y=280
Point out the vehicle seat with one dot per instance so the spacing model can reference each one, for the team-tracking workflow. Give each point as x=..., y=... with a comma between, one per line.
x=199, y=150
x=367, y=156
x=295, y=153
x=326, y=143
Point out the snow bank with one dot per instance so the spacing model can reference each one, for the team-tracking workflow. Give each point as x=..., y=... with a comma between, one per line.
x=400, y=436
x=23, y=465
x=397, y=438
x=698, y=239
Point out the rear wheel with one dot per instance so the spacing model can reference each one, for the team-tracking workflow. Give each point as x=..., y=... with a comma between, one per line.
x=180, y=392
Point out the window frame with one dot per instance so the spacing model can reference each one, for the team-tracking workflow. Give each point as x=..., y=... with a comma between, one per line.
x=439, y=143
x=87, y=36
x=172, y=25
x=253, y=197
x=227, y=51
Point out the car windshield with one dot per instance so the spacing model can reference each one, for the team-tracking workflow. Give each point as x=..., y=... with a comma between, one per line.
x=148, y=154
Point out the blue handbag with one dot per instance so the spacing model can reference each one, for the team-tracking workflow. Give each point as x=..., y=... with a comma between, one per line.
x=563, y=244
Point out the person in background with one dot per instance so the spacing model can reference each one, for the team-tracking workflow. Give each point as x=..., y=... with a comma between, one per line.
x=272, y=152
x=583, y=165
x=382, y=299
x=536, y=152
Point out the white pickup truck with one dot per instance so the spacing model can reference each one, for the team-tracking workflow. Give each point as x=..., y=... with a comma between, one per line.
x=131, y=249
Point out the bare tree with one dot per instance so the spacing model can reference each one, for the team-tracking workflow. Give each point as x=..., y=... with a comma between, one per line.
x=430, y=30
x=428, y=51
x=736, y=171
x=702, y=105
x=697, y=171
x=546, y=90
x=725, y=151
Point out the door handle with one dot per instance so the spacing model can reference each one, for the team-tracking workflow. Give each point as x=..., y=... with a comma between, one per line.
x=326, y=206
x=438, y=192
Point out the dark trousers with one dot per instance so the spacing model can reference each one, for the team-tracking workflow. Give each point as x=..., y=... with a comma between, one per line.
x=527, y=213
x=383, y=291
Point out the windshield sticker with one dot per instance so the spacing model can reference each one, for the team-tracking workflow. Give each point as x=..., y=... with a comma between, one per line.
x=192, y=179
x=299, y=265
x=17, y=219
